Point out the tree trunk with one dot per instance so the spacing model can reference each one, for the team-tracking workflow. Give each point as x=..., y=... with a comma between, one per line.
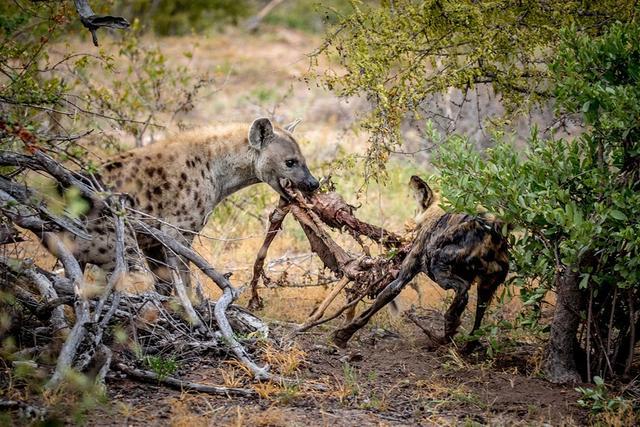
x=560, y=364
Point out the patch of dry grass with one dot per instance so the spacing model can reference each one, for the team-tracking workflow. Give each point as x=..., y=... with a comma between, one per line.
x=271, y=417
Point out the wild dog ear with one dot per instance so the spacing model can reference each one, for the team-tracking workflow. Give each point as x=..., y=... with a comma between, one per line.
x=421, y=191
x=260, y=133
x=292, y=126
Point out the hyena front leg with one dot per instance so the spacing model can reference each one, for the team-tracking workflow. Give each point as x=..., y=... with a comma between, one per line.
x=158, y=266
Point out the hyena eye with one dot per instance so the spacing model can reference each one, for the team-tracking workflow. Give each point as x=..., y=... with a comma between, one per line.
x=290, y=162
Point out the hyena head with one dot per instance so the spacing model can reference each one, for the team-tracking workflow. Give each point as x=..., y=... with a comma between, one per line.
x=279, y=161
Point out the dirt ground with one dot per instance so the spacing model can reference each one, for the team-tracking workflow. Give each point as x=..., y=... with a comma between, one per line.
x=383, y=378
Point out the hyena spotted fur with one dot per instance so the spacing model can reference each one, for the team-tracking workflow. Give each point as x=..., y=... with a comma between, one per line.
x=455, y=251
x=181, y=180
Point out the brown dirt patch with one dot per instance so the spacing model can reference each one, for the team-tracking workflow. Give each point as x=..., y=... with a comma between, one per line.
x=382, y=379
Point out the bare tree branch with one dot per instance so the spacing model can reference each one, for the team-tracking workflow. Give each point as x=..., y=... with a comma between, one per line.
x=73, y=272
x=92, y=21
x=49, y=294
x=17, y=203
x=181, y=291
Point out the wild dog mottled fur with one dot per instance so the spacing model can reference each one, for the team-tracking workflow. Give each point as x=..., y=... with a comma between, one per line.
x=181, y=180
x=455, y=251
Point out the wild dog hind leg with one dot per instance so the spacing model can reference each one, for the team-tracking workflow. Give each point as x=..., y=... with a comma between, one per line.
x=444, y=276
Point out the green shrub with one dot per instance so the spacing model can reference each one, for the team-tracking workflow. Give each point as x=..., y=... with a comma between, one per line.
x=598, y=398
x=161, y=366
x=573, y=201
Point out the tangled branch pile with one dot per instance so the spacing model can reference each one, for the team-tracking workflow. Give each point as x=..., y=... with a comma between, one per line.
x=88, y=338
x=49, y=101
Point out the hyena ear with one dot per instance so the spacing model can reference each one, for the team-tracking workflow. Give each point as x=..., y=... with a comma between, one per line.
x=292, y=126
x=261, y=133
x=421, y=191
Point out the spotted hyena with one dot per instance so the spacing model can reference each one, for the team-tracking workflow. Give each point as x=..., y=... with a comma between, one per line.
x=181, y=180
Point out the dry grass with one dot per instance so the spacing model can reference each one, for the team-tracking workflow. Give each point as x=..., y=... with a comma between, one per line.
x=191, y=410
x=234, y=374
x=271, y=417
x=286, y=361
x=625, y=416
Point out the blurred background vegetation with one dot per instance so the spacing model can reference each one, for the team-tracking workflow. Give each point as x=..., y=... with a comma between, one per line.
x=170, y=17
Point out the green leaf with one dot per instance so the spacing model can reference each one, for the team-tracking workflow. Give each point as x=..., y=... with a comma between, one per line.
x=619, y=215
x=585, y=281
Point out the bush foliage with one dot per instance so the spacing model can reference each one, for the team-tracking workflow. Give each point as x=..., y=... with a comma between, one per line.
x=398, y=54
x=574, y=198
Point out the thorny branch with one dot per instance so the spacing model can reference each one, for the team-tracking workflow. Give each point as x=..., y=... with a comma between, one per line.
x=152, y=377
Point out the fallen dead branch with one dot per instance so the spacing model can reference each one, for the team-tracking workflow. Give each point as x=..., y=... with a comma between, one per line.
x=152, y=377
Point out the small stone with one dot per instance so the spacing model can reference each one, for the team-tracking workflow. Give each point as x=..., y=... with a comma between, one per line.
x=325, y=349
x=352, y=357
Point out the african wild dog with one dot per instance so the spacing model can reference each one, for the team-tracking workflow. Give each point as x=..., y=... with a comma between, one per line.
x=181, y=180
x=454, y=250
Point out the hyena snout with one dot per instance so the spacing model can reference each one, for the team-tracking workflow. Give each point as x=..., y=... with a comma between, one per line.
x=307, y=183
x=310, y=184
x=300, y=178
